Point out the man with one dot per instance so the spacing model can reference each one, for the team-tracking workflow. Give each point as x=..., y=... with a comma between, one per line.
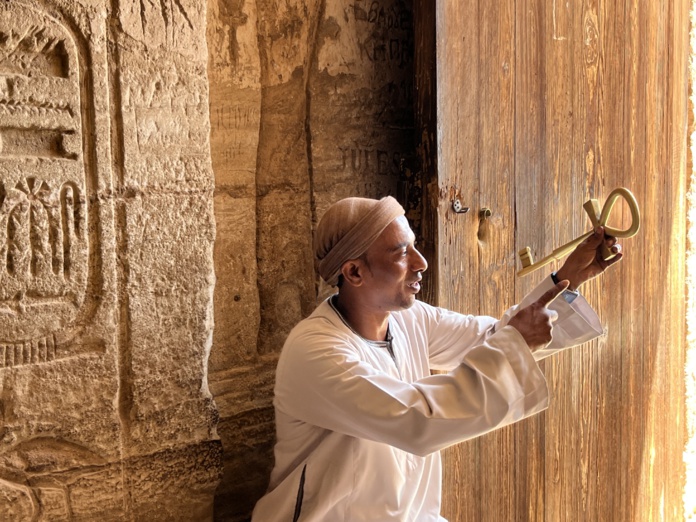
x=360, y=419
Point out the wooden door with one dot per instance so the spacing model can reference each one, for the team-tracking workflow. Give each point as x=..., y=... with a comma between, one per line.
x=541, y=105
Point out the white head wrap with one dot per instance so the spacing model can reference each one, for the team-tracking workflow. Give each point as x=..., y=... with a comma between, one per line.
x=347, y=230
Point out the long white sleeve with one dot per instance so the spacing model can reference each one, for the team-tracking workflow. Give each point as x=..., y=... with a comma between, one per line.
x=330, y=383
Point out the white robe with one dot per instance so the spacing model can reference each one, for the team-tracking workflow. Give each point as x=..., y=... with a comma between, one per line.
x=359, y=432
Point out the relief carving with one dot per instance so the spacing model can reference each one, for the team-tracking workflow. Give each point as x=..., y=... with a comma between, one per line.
x=45, y=187
x=41, y=233
x=32, y=468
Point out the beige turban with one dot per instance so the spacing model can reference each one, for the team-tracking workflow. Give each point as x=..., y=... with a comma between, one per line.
x=347, y=230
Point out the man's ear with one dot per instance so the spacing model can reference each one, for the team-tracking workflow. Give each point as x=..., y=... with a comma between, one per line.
x=353, y=272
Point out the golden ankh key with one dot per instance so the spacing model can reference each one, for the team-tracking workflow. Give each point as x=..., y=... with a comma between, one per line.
x=597, y=218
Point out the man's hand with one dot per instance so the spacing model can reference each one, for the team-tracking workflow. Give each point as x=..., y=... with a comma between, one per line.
x=586, y=261
x=536, y=321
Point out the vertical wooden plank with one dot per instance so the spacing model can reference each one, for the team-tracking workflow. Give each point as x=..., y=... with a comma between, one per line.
x=609, y=21
x=621, y=163
x=530, y=131
x=581, y=364
x=677, y=402
x=495, y=240
x=563, y=461
x=664, y=284
x=637, y=338
x=584, y=371
x=425, y=116
x=458, y=113
x=495, y=234
x=588, y=52
x=458, y=98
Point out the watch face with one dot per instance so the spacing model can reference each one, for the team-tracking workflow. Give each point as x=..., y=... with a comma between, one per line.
x=569, y=296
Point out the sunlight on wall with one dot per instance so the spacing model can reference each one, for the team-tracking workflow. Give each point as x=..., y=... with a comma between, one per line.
x=690, y=373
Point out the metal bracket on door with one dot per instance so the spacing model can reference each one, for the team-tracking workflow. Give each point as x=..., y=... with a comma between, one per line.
x=459, y=208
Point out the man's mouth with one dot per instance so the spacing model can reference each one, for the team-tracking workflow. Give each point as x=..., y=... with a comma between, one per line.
x=415, y=285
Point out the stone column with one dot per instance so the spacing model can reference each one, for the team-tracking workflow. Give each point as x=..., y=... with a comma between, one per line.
x=106, y=276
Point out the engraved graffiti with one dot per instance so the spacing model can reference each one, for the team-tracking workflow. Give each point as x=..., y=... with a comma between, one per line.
x=394, y=16
x=396, y=50
x=358, y=160
x=237, y=117
x=391, y=38
x=166, y=107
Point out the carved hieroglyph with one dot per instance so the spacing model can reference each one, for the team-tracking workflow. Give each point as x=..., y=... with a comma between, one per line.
x=45, y=184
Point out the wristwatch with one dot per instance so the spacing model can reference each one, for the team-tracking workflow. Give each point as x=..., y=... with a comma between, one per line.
x=568, y=295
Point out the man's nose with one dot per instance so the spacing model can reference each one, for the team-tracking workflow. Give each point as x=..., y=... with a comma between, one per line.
x=418, y=264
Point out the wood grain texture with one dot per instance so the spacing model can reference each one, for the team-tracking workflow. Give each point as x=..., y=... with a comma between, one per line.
x=541, y=106
x=425, y=117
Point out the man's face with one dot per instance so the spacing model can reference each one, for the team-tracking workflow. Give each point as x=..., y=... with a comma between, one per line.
x=394, y=266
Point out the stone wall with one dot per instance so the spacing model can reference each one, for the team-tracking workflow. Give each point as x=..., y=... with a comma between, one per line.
x=109, y=251
x=106, y=273
x=310, y=101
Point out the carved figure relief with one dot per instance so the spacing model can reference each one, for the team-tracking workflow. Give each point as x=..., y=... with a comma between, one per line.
x=39, y=466
x=44, y=185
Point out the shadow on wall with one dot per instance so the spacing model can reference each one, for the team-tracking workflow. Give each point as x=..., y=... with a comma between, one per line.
x=310, y=102
x=248, y=448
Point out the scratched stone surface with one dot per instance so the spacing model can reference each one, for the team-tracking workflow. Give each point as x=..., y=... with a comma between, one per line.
x=310, y=102
x=106, y=274
x=364, y=73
